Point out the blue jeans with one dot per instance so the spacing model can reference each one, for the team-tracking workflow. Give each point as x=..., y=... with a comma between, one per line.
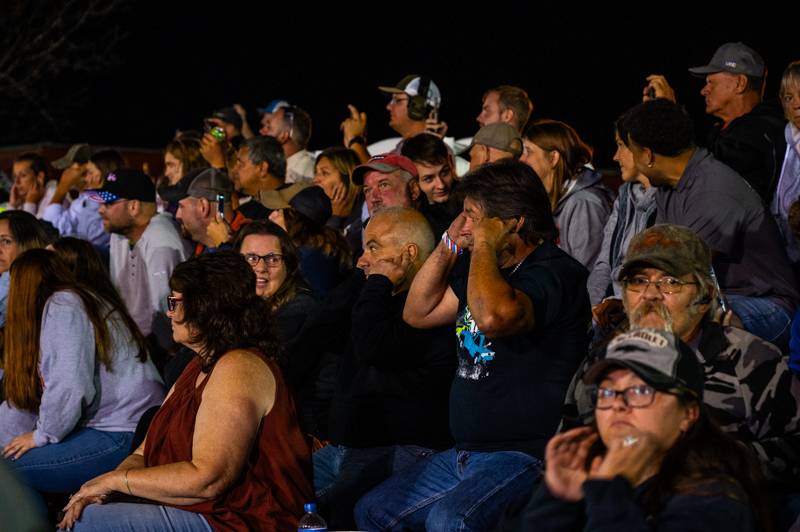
x=63, y=467
x=132, y=517
x=343, y=474
x=452, y=490
x=764, y=318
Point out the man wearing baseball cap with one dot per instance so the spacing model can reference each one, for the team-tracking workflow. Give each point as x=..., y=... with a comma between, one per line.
x=494, y=142
x=198, y=195
x=668, y=285
x=749, y=134
x=388, y=181
x=414, y=100
x=145, y=248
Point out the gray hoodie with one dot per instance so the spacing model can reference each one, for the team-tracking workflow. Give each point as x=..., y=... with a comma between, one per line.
x=581, y=215
x=78, y=391
x=634, y=211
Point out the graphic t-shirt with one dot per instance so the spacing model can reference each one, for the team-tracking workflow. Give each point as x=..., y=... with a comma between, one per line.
x=507, y=392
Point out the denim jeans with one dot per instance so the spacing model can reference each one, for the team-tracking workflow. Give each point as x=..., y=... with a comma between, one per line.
x=132, y=517
x=451, y=490
x=764, y=318
x=63, y=467
x=343, y=474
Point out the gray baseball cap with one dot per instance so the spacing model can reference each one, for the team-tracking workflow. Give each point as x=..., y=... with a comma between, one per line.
x=500, y=136
x=674, y=249
x=656, y=357
x=77, y=153
x=733, y=57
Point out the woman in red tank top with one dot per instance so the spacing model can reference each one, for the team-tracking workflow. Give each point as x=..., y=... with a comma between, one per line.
x=224, y=451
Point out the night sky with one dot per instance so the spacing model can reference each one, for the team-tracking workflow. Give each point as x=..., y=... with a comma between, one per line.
x=179, y=61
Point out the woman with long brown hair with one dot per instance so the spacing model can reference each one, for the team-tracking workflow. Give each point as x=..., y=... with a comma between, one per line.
x=77, y=377
x=580, y=202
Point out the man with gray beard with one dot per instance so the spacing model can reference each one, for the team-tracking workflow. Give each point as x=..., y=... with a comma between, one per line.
x=667, y=284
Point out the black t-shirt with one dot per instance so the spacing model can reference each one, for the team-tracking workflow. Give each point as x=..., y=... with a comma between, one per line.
x=716, y=203
x=507, y=392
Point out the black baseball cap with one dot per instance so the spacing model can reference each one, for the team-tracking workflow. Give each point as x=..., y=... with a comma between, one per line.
x=126, y=183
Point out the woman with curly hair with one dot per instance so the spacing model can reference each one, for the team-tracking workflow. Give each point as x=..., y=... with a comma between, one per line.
x=225, y=449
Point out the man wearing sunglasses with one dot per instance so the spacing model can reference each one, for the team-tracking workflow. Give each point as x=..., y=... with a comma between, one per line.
x=667, y=284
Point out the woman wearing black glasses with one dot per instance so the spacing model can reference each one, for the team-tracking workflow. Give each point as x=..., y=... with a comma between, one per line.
x=654, y=460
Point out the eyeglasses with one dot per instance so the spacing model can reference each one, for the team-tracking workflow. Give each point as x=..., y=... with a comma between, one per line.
x=665, y=285
x=172, y=302
x=640, y=396
x=272, y=260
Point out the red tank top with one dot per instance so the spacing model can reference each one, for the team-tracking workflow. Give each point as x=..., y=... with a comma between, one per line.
x=276, y=480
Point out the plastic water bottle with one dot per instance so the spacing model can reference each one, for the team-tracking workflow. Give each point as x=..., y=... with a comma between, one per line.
x=312, y=520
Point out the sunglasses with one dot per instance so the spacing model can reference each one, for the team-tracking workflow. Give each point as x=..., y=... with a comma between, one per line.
x=172, y=303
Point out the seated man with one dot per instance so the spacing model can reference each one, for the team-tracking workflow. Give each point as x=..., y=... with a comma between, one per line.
x=390, y=403
x=198, y=195
x=667, y=285
x=699, y=192
x=521, y=313
x=494, y=142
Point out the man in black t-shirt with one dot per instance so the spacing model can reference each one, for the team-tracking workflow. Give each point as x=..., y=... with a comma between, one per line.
x=522, y=316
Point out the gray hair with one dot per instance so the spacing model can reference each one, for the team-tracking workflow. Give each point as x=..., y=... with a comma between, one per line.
x=409, y=226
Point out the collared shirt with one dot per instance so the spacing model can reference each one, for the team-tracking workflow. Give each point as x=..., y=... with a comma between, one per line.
x=788, y=191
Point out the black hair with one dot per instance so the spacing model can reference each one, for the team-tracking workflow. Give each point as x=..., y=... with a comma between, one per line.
x=266, y=148
x=509, y=189
x=660, y=125
x=294, y=282
x=426, y=148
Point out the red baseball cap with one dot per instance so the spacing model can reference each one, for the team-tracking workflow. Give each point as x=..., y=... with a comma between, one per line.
x=385, y=164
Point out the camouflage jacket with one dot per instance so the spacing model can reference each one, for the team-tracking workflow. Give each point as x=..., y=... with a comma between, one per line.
x=749, y=390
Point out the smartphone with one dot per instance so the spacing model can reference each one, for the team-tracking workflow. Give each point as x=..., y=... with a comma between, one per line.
x=651, y=93
x=216, y=131
x=434, y=115
x=221, y=205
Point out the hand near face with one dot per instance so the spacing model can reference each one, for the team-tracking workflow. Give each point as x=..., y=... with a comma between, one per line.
x=454, y=231
x=72, y=176
x=339, y=199
x=218, y=231
x=565, y=456
x=16, y=199
x=631, y=455
x=355, y=125
x=394, y=269
x=19, y=446
x=657, y=87
x=211, y=150
x=35, y=192
x=492, y=231
x=609, y=313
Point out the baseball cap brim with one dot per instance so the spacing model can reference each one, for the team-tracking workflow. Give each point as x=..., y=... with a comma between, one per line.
x=708, y=69
x=652, y=377
x=659, y=263
x=103, y=196
x=391, y=90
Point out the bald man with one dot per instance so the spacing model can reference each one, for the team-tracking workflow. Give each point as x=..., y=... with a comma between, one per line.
x=390, y=405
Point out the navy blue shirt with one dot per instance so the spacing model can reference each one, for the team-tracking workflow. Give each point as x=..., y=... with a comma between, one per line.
x=507, y=393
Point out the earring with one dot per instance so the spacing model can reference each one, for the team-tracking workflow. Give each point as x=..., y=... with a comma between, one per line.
x=650, y=165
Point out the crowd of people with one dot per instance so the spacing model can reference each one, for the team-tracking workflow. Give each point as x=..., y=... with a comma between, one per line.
x=411, y=340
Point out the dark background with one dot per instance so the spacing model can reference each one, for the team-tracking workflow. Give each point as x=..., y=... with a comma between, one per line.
x=175, y=62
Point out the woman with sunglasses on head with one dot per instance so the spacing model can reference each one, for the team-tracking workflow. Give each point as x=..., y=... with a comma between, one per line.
x=654, y=460
x=76, y=367
x=224, y=450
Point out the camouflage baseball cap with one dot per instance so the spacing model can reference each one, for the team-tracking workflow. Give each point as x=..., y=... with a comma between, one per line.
x=674, y=249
